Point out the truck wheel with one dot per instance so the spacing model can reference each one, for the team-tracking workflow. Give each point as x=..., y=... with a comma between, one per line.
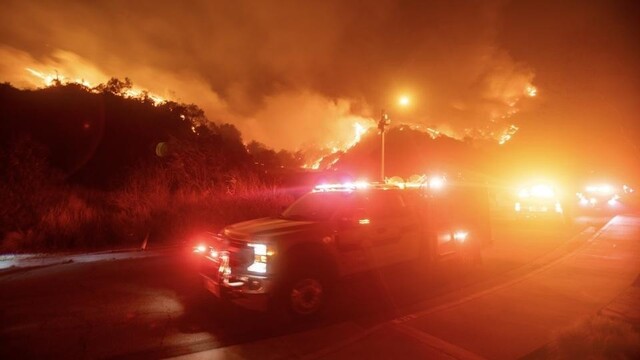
x=305, y=295
x=470, y=254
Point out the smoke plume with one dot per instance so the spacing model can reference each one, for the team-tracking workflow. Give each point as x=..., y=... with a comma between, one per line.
x=290, y=74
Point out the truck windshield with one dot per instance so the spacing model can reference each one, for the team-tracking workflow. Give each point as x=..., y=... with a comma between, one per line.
x=317, y=206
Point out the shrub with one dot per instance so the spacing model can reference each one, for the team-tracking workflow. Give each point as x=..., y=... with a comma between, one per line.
x=73, y=223
x=597, y=337
x=151, y=207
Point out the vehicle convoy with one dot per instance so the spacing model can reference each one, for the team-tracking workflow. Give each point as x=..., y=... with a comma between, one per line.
x=339, y=230
x=539, y=200
x=604, y=197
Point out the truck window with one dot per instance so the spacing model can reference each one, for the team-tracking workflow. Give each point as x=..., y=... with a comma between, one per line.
x=386, y=204
x=317, y=206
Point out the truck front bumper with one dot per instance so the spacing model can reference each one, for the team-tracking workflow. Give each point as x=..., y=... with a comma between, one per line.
x=246, y=290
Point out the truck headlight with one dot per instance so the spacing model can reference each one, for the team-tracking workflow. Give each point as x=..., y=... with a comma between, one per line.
x=523, y=193
x=558, y=207
x=460, y=236
x=614, y=200
x=261, y=254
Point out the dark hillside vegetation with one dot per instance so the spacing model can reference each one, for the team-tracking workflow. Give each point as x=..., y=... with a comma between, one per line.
x=87, y=168
x=98, y=138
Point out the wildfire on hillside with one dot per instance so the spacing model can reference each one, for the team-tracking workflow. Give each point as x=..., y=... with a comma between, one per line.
x=324, y=159
x=332, y=154
x=49, y=79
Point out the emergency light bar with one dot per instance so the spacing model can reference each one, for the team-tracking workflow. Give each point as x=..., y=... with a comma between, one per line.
x=432, y=182
x=349, y=186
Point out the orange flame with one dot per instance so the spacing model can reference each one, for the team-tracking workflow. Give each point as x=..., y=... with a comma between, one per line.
x=508, y=134
x=359, y=131
x=51, y=79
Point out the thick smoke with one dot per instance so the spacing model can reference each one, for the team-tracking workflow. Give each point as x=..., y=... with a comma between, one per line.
x=290, y=74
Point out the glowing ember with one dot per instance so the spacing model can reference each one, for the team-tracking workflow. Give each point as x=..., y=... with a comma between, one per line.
x=508, y=134
x=531, y=91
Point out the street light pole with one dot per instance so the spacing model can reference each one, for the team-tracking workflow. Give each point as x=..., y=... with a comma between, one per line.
x=382, y=159
x=382, y=124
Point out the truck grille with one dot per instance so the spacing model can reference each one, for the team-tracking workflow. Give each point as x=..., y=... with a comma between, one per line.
x=240, y=254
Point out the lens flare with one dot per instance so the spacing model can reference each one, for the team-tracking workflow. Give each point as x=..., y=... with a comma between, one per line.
x=436, y=182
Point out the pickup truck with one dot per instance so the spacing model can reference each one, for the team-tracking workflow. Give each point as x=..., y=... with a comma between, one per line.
x=338, y=230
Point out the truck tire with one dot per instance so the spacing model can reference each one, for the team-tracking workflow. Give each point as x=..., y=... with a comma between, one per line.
x=304, y=294
x=470, y=254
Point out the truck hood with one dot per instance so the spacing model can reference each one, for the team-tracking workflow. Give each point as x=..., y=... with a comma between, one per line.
x=270, y=227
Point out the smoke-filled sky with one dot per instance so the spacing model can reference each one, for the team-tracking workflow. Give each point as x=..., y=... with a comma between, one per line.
x=296, y=74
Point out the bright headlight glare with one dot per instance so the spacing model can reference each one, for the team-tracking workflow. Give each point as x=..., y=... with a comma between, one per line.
x=261, y=253
x=259, y=249
x=542, y=191
x=258, y=267
x=436, y=182
x=460, y=235
x=601, y=189
x=558, y=207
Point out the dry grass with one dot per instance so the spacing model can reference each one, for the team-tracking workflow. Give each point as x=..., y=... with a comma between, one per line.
x=147, y=207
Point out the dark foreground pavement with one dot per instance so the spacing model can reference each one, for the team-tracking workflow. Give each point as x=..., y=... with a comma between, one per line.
x=150, y=305
x=508, y=321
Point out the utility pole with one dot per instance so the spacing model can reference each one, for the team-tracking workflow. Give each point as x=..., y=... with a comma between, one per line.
x=382, y=124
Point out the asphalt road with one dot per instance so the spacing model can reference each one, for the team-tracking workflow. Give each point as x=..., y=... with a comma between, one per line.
x=154, y=307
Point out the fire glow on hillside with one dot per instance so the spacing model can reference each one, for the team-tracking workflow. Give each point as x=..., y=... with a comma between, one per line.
x=299, y=77
x=359, y=131
x=52, y=79
x=359, y=125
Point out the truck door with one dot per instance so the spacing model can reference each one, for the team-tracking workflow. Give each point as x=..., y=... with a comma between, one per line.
x=352, y=230
x=441, y=227
x=394, y=229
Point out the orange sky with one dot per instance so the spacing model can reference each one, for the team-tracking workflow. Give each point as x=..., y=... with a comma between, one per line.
x=297, y=74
